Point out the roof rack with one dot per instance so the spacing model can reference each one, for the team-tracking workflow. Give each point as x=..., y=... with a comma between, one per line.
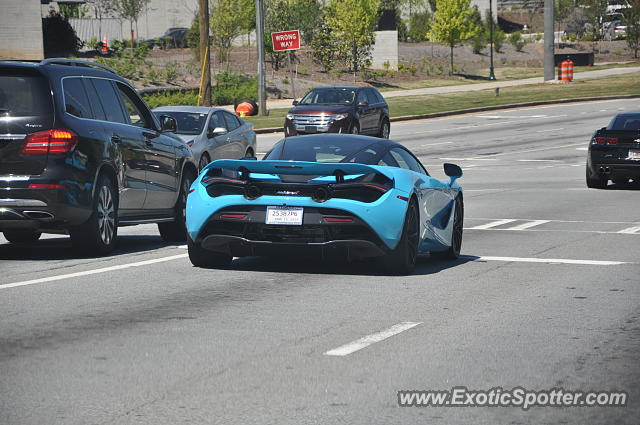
x=76, y=62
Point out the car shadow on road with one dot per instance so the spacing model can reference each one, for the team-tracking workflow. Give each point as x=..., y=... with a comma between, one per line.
x=305, y=265
x=60, y=248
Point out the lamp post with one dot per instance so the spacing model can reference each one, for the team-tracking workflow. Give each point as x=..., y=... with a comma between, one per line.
x=492, y=75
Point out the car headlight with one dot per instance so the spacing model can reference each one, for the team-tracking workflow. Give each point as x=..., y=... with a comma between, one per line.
x=338, y=117
x=289, y=116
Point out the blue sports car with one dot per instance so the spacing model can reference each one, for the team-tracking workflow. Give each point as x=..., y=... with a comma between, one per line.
x=331, y=195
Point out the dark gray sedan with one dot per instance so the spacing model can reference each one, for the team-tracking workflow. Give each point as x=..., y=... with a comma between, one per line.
x=212, y=133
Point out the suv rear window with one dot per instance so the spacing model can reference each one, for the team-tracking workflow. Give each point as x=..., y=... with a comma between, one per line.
x=25, y=96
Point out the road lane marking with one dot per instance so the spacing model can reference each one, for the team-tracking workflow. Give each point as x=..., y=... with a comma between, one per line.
x=551, y=129
x=547, y=260
x=366, y=341
x=539, y=160
x=527, y=225
x=493, y=224
x=90, y=272
x=630, y=230
x=434, y=144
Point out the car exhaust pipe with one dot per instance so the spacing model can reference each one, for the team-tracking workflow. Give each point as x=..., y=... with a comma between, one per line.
x=38, y=215
x=604, y=170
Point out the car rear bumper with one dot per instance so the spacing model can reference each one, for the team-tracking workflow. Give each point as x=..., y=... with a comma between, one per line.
x=241, y=247
x=614, y=168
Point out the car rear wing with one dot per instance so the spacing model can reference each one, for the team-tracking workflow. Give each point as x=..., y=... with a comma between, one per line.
x=337, y=169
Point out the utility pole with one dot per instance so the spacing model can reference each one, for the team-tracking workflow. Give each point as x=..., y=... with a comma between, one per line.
x=262, y=101
x=549, y=41
x=205, y=78
x=492, y=75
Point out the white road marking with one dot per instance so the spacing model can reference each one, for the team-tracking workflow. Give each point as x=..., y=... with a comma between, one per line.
x=630, y=230
x=468, y=159
x=551, y=129
x=366, y=341
x=550, y=261
x=90, y=272
x=493, y=224
x=464, y=127
x=527, y=225
x=582, y=149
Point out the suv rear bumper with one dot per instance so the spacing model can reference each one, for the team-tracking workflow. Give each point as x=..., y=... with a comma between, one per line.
x=41, y=209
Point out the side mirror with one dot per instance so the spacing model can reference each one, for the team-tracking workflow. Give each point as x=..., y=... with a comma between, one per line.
x=250, y=158
x=294, y=103
x=453, y=171
x=218, y=131
x=168, y=123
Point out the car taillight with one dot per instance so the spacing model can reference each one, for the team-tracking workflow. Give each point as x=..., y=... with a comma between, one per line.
x=53, y=142
x=606, y=140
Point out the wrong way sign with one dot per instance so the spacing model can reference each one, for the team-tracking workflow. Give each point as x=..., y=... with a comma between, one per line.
x=285, y=40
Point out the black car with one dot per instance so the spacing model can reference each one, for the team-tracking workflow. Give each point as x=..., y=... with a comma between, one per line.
x=173, y=37
x=356, y=110
x=80, y=152
x=614, y=152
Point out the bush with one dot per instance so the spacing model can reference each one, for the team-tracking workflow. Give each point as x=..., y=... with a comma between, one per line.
x=498, y=39
x=178, y=98
x=479, y=42
x=59, y=37
x=230, y=87
x=129, y=63
x=171, y=71
x=516, y=41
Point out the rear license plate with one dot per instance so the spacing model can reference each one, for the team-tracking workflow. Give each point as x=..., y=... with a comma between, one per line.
x=288, y=216
x=311, y=129
x=634, y=154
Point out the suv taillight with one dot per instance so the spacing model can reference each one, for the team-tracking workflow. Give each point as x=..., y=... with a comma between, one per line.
x=55, y=142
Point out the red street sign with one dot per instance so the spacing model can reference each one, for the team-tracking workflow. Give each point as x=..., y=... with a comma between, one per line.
x=285, y=40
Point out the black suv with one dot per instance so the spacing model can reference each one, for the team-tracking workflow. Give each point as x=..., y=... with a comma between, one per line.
x=80, y=152
x=356, y=110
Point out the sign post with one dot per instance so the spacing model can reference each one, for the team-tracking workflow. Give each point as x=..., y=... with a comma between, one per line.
x=287, y=41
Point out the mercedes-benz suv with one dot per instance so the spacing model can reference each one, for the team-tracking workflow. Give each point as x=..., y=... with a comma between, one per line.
x=80, y=152
x=356, y=110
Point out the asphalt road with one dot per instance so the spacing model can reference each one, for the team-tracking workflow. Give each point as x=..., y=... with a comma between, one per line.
x=546, y=295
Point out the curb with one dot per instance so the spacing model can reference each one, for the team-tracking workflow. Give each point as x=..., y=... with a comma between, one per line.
x=483, y=109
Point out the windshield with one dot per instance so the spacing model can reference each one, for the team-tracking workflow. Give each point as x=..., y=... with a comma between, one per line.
x=188, y=122
x=325, y=149
x=329, y=96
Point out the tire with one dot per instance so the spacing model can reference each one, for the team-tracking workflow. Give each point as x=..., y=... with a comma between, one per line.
x=401, y=261
x=176, y=230
x=201, y=257
x=204, y=160
x=355, y=128
x=456, y=237
x=385, y=129
x=597, y=182
x=22, y=236
x=99, y=233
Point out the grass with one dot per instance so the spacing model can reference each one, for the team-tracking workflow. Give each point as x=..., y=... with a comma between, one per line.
x=427, y=104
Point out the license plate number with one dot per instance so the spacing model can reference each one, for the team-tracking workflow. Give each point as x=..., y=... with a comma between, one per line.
x=288, y=216
x=634, y=154
x=311, y=129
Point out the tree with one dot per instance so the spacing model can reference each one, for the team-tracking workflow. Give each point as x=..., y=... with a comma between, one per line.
x=228, y=21
x=433, y=5
x=419, y=26
x=101, y=9
x=324, y=48
x=631, y=18
x=595, y=11
x=353, y=22
x=563, y=9
x=453, y=23
x=130, y=10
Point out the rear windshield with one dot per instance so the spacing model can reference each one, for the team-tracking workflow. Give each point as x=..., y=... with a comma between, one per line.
x=188, y=122
x=313, y=149
x=626, y=123
x=24, y=95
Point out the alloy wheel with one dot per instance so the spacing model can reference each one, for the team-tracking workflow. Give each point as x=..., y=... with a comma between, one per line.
x=106, y=215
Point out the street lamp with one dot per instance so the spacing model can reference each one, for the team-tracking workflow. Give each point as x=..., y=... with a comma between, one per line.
x=492, y=76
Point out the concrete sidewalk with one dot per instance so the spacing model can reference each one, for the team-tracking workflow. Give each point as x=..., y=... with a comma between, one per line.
x=286, y=103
